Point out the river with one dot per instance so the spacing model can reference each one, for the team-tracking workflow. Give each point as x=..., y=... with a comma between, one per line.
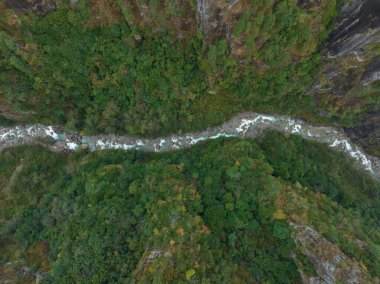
x=245, y=125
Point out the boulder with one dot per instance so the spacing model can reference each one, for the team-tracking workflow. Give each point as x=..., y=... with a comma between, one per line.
x=85, y=147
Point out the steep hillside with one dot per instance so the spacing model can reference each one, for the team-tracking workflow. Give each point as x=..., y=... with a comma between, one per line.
x=156, y=67
x=82, y=76
x=348, y=87
x=229, y=210
x=184, y=56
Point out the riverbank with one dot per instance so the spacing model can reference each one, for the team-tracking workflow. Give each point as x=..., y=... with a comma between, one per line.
x=246, y=125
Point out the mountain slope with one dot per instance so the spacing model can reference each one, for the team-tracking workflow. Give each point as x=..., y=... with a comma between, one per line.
x=226, y=210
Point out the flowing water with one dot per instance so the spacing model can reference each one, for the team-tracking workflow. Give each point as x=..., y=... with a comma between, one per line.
x=246, y=125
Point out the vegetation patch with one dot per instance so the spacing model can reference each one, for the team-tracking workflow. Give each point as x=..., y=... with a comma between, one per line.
x=90, y=68
x=219, y=211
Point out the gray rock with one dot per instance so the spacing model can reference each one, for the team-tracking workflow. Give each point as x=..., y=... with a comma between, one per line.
x=39, y=7
x=372, y=74
x=85, y=147
x=331, y=264
x=358, y=25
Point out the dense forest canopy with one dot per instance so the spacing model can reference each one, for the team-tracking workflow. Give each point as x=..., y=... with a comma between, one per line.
x=218, y=212
x=100, y=70
x=278, y=209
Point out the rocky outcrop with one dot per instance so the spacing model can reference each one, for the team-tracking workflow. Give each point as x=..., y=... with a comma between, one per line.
x=351, y=67
x=357, y=28
x=39, y=7
x=217, y=18
x=308, y=4
x=372, y=73
x=367, y=132
x=331, y=264
x=358, y=25
x=347, y=65
x=178, y=17
x=212, y=18
x=14, y=272
x=9, y=113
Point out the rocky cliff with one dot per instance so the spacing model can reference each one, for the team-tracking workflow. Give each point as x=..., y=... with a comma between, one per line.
x=348, y=85
x=331, y=264
x=358, y=25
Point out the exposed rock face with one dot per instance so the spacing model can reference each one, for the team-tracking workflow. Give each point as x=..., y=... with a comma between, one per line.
x=308, y=4
x=179, y=18
x=39, y=7
x=12, y=272
x=351, y=66
x=339, y=77
x=347, y=64
x=211, y=16
x=331, y=264
x=367, y=132
x=8, y=112
x=372, y=73
x=358, y=24
x=217, y=18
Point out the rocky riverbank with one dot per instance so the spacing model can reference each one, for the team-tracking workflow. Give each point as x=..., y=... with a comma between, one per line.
x=246, y=125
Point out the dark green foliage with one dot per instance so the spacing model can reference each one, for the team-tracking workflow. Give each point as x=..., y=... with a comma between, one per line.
x=103, y=79
x=322, y=170
x=6, y=122
x=105, y=218
x=205, y=214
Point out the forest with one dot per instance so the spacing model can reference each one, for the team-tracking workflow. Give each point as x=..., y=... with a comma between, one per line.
x=119, y=76
x=271, y=210
x=218, y=212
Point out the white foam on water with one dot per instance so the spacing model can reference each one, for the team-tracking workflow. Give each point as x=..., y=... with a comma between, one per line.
x=5, y=135
x=50, y=132
x=30, y=130
x=336, y=143
x=72, y=145
x=140, y=143
x=356, y=153
x=335, y=138
x=247, y=123
x=297, y=128
x=197, y=140
x=155, y=148
x=11, y=133
x=174, y=140
x=268, y=118
x=291, y=121
x=112, y=145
